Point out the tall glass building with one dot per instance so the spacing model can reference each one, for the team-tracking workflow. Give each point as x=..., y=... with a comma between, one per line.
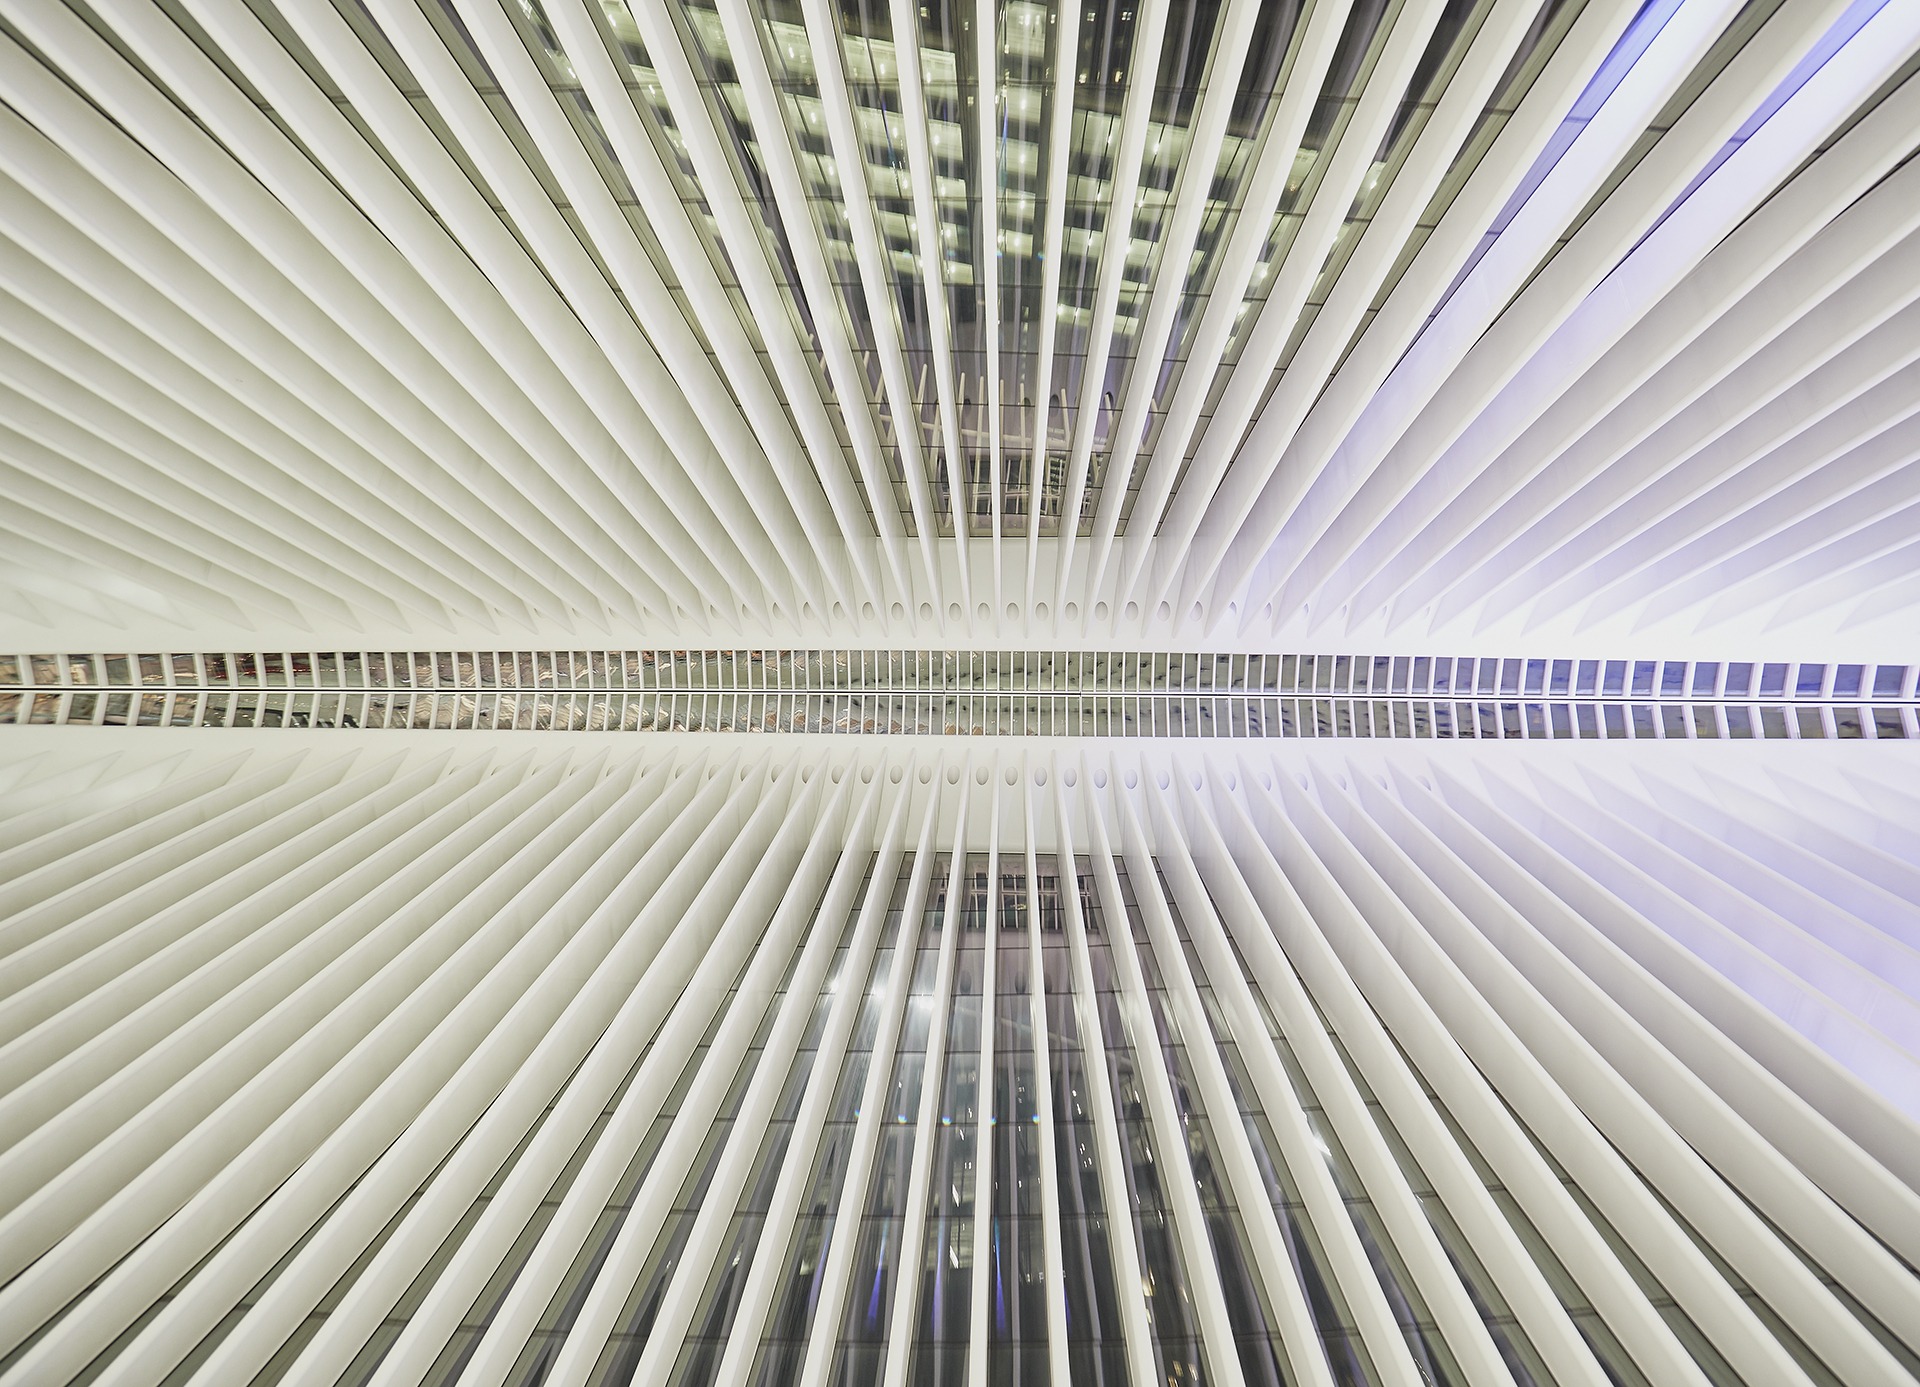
x=602, y=603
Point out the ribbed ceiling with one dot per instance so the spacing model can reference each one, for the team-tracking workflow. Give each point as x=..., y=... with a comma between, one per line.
x=398, y=1059
x=807, y=322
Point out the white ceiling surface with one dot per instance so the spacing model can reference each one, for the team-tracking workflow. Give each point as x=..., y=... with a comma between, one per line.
x=345, y=367
x=222, y=1086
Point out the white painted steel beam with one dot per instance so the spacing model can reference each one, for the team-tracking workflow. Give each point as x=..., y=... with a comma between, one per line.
x=849, y=383
x=1352, y=425
x=1066, y=29
x=1116, y=244
x=1568, y=302
x=903, y=1319
x=1348, y=166
x=930, y=258
x=823, y=34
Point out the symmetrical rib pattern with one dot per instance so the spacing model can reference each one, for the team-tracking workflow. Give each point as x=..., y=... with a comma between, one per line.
x=1111, y=322
x=398, y=1062
x=1021, y=381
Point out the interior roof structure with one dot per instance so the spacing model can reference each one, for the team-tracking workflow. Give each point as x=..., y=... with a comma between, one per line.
x=1278, y=649
x=1406, y=322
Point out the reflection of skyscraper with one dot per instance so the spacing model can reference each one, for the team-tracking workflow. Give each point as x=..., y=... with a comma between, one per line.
x=1025, y=898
